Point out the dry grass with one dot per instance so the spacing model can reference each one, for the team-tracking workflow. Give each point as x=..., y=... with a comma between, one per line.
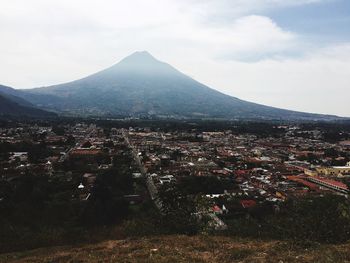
x=175, y=248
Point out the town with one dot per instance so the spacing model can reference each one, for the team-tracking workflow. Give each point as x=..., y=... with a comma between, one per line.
x=238, y=169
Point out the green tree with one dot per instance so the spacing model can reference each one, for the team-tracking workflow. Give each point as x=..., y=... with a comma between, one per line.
x=180, y=211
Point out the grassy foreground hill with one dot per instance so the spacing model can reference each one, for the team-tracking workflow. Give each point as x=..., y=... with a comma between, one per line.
x=180, y=248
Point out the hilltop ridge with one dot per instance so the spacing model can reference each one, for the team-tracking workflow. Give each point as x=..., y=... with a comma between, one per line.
x=177, y=248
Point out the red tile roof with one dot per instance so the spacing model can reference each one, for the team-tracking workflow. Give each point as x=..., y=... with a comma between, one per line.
x=248, y=203
x=299, y=179
x=216, y=208
x=332, y=182
x=85, y=152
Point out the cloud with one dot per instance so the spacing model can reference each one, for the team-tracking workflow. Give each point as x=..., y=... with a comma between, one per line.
x=68, y=39
x=255, y=37
x=232, y=45
x=317, y=82
x=216, y=11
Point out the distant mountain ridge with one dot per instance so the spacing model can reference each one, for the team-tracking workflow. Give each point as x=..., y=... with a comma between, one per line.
x=140, y=85
x=11, y=105
x=10, y=94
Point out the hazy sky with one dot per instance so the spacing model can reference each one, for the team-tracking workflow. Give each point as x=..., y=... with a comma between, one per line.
x=292, y=54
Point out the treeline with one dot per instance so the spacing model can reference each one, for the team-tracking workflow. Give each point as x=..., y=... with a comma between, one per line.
x=332, y=131
x=42, y=211
x=315, y=219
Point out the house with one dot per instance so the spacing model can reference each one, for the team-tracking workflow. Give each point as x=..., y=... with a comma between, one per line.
x=248, y=203
x=217, y=210
x=334, y=170
x=166, y=179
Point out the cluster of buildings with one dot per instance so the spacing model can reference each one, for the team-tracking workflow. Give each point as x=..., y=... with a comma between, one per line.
x=262, y=170
x=253, y=169
x=76, y=154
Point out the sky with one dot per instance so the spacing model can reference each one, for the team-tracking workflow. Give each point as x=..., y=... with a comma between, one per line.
x=292, y=54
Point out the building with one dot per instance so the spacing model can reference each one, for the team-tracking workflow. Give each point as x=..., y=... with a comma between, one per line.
x=331, y=184
x=334, y=170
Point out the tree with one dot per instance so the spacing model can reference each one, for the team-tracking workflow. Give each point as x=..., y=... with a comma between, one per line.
x=58, y=130
x=103, y=206
x=322, y=219
x=179, y=210
x=70, y=140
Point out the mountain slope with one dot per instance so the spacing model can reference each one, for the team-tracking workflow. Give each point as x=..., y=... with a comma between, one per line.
x=12, y=95
x=11, y=105
x=28, y=99
x=141, y=85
